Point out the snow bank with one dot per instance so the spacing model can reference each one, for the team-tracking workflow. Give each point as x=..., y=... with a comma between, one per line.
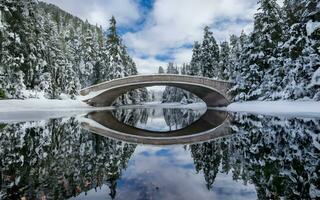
x=275, y=108
x=40, y=109
x=41, y=105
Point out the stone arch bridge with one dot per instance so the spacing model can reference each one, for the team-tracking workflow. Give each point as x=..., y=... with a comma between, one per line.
x=213, y=92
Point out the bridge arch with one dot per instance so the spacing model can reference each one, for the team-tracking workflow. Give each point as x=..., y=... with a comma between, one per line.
x=213, y=92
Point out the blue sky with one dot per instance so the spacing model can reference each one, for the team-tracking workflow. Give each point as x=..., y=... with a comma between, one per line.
x=159, y=31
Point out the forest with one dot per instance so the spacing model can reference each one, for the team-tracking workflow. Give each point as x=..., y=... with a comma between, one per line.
x=278, y=60
x=50, y=52
x=45, y=51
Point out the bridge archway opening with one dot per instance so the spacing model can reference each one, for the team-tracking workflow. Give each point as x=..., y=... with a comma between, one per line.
x=160, y=94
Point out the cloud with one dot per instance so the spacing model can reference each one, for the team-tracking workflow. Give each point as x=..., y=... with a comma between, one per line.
x=182, y=55
x=173, y=24
x=100, y=11
x=179, y=180
x=148, y=65
x=170, y=176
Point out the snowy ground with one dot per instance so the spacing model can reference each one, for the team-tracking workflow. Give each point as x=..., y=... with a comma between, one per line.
x=39, y=109
x=277, y=108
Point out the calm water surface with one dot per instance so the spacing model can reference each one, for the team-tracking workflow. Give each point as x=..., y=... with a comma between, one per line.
x=261, y=158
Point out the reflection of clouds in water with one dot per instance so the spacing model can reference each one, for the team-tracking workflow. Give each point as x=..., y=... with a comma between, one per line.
x=168, y=173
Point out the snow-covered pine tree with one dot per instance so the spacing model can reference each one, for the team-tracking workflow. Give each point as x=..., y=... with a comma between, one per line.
x=114, y=52
x=172, y=94
x=301, y=48
x=100, y=68
x=235, y=51
x=239, y=57
x=120, y=64
x=260, y=55
x=160, y=70
x=88, y=55
x=184, y=69
x=237, y=68
x=224, y=61
x=15, y=50
x=209, y=55
x=55, y=59
x=195, y=64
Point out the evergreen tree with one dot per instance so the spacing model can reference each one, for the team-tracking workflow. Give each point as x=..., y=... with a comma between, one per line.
x=195, y=64
x=88, y=55
x=224, y=64
x=209, y=55
x=237, y=60
x=14, y=54
x=184, y=69
x=114, y=52
x=160, y=70
x=121, y=65
x=174, y=94
x=260, y=54
x=171, y=94
x=300, y=50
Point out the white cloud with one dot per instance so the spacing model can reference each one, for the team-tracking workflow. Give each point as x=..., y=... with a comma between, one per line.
x=177, y=181
x=174, y=23
x=148, y=65
x=150, y=175
x=100, y=11
x=182, y=55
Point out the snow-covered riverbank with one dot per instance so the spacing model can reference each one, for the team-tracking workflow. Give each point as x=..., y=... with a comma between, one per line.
x=301, y=108
x=41, y=105
x=41, y=109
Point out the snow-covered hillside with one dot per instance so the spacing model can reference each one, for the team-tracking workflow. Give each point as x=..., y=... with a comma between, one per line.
x=50, y=51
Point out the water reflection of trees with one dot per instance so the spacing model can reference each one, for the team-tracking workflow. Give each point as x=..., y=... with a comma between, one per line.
x=179, y=118
x=132, y=116
x=57, y=160
x=175, y=118
x=279, y=156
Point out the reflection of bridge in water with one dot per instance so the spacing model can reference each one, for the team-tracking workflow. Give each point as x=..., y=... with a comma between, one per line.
x=212, y=92
x=213, y=124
